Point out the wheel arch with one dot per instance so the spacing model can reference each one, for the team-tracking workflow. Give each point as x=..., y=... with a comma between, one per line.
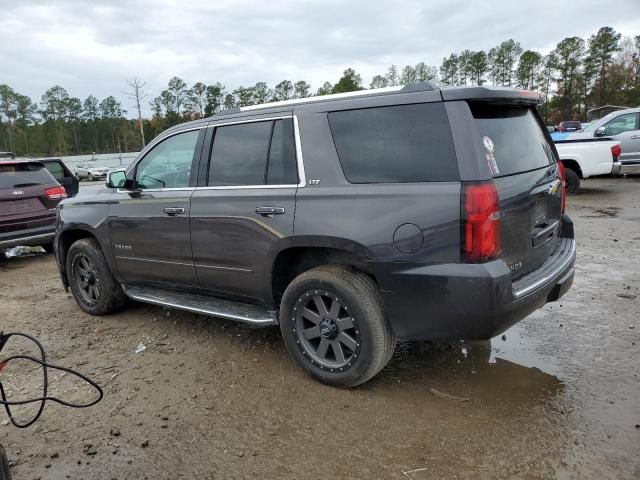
x=303, y=254
x=63, y=242
x=574, y=165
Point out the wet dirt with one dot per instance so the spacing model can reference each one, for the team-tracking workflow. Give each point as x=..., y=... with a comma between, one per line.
x=207, y=398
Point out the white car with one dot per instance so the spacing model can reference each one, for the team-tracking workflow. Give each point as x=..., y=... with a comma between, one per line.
x=91, y=171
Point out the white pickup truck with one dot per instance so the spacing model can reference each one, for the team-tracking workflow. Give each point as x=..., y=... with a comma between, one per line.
x=586, y=158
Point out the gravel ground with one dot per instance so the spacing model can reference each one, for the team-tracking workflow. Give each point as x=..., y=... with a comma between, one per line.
x=207, y=398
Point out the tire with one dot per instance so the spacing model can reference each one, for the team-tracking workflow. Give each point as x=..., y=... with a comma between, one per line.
x=573, y=181
x=48, y=247
x=91, y=282
x=361, y=333
x=89, y=177
x=4, y=465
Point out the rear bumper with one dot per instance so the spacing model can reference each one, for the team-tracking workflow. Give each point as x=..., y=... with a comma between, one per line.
x=31, y=237
x=470, y=301
x=629, y=168
x=617, y=167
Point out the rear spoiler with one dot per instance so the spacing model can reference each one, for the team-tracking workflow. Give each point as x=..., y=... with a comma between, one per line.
x=492, y=94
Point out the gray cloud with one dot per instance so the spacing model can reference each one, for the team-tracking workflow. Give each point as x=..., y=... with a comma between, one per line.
x=91, y=47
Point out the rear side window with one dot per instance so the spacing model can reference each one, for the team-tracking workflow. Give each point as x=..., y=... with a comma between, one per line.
x=24, y=175
x=256, y=153
x=512, y=138
x=397, y=144
x=55, y=169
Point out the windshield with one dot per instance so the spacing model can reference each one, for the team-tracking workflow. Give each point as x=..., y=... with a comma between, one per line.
x=24, y=175
x=598, y=123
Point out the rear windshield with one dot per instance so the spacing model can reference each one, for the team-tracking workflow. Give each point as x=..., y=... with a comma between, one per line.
x=397, y=144
x=24, y=175
x=512, y=139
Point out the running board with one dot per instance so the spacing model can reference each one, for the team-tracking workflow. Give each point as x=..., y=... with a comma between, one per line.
x=215, y=307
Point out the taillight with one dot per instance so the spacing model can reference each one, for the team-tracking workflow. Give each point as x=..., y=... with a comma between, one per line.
x=563, y=177
x=481, y=222
x=616, y=151
x=55, y=193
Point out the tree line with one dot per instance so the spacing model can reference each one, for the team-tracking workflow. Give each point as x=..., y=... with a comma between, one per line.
x=576, y=76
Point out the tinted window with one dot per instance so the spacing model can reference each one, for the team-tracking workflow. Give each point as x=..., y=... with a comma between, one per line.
x=620, y=124
x=55, y=169
x=282, y=168
x=24, y=175
x=517, y=139
x=403, y=143
x=254, y=153
x=168, y=164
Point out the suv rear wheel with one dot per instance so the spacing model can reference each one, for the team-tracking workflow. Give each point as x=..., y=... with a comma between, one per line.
x=91, y=282
x=335, y=327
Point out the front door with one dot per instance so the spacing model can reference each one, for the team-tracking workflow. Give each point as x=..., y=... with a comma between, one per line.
x=246, y=206
x=149, y=225
x=626, y=128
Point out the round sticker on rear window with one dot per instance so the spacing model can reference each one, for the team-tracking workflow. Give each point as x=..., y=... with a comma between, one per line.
x=489, y=148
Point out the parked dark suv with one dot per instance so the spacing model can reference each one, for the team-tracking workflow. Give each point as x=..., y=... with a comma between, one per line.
x=350, y=220
x=28, y=198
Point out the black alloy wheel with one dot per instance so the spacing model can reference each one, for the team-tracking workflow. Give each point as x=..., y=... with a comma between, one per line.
x=326, y=331
x=87, y=279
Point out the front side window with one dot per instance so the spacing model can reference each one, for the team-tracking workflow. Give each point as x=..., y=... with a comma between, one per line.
x=168, y=164
x=396, y=144
x=621, y=124
x=256, y=153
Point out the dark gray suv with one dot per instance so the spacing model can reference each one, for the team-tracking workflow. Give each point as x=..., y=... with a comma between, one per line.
x=349, y=220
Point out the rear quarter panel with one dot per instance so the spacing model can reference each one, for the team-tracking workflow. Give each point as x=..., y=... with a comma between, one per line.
x=369, y=214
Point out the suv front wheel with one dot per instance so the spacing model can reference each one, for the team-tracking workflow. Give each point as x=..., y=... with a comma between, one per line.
x=90, y=280
x=334, y=325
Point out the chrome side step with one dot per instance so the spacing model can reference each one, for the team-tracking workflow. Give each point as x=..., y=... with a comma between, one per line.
x=215, y=307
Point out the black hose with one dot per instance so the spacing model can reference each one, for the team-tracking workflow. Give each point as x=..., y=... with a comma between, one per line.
x=45, y=395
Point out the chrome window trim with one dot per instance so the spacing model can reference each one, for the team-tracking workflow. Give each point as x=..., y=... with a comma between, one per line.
x=302, y=181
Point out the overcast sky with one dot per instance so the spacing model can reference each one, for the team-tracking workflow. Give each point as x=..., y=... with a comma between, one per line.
x=90, y=47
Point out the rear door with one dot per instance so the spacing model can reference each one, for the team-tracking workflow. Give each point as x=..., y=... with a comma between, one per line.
x=23, y=202
x=245, y=205
x=523, y=165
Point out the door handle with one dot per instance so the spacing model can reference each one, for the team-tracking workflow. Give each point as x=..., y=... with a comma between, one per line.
x=635, y=137
x=268, y=211
x=173, y=211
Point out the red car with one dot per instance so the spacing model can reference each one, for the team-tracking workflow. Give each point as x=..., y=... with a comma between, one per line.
x=569, y=126
x=29, y=195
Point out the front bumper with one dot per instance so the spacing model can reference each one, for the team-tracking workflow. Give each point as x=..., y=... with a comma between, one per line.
x=471, y=301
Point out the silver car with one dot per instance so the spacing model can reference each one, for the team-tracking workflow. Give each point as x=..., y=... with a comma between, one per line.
x=622, y=125
x=91, y=171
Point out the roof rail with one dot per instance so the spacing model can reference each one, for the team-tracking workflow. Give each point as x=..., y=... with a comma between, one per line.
x=410, y=88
